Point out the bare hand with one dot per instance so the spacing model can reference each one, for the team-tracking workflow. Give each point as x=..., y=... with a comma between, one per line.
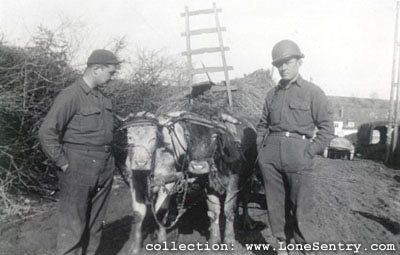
x=64, y=167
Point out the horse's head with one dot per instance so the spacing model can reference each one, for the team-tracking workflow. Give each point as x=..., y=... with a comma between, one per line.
x=142, y=134
x=148, y=136
x=205, y=139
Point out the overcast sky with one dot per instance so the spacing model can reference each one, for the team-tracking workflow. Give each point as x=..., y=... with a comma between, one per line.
x=348, y=44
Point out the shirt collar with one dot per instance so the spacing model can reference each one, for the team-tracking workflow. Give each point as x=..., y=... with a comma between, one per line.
x=299, y=81
x=87, y=89
x=84, y=86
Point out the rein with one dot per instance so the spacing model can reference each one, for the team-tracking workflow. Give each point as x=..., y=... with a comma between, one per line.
x=259, y=149
x=140, y=121
x=180, y=186
x=171, y=130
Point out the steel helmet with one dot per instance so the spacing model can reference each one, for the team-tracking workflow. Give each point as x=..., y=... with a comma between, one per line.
x=285, y=50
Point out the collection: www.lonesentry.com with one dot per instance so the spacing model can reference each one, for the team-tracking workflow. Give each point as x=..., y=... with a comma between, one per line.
x=309, y=248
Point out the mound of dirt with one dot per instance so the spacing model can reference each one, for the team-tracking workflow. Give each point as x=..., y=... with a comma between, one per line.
x=248, y=99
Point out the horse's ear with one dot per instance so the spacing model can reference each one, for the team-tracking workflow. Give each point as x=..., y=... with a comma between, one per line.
x=229, y=118
x=145, y=114
x=168, y=117
x=140, y=114
x=149, y=115
x=175, y=114
x=163, y=120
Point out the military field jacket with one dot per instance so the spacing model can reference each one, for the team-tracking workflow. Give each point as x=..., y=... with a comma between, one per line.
x=79, y=115
x=299, y=107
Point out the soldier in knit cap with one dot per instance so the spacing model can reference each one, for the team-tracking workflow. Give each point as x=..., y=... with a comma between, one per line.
x=76, y=135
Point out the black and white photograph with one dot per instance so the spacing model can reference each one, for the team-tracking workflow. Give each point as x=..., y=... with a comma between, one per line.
x=199, y=127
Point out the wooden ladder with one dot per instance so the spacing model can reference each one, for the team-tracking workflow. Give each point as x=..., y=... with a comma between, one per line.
x=189, y=51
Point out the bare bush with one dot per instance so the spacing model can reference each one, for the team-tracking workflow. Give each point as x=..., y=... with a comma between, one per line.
x=30, y=78
x=152, y=80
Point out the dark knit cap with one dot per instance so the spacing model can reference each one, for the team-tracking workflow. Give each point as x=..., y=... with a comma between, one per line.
x=102, y=57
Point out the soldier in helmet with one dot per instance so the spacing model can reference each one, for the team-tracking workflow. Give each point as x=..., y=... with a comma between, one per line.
x=76, y=135
x=291, y=112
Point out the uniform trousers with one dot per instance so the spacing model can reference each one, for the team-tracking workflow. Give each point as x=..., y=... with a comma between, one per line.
x=286, y=168
x=85, y=189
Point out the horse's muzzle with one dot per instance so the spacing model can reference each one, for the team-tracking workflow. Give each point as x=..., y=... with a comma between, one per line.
x=199, y=167
x=139, y=165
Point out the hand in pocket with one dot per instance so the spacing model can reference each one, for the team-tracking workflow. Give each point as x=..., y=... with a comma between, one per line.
x=64, y=168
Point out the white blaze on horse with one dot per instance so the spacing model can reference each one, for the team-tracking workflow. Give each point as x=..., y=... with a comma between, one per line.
x=155, y=149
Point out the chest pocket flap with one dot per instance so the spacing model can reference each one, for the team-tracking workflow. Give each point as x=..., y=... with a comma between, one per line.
x=87, y=111
x=305, y=106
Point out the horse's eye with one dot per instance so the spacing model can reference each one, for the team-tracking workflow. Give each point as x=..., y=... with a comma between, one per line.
x=130, y=138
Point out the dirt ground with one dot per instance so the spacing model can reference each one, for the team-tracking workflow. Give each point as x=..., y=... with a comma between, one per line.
x=353, y=202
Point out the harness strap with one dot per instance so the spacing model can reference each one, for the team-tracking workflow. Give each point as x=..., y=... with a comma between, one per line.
x=171, y=129
x=181, y=206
